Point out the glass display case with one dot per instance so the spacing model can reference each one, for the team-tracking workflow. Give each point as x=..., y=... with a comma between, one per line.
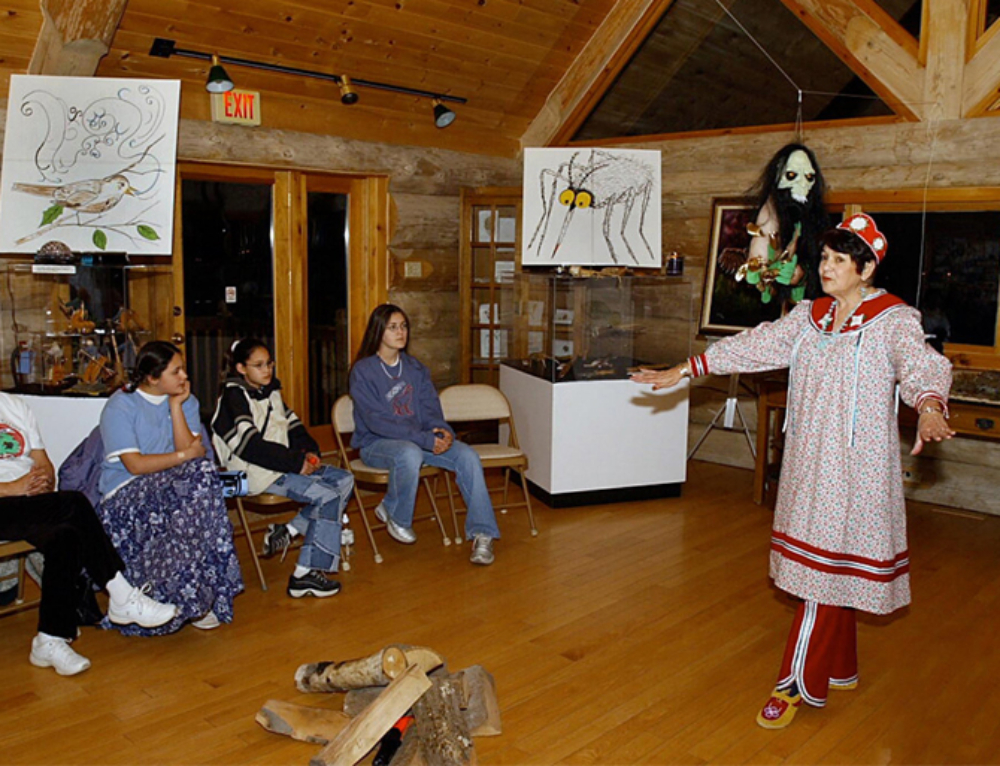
x=74, y=328
x=590, y=433
x=565, y=328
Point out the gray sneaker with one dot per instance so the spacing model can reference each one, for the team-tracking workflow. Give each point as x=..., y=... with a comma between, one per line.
x=398, y=533
x=482, y=550
x=276, y=540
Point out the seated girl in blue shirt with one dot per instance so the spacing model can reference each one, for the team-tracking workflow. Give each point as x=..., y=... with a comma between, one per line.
x=399, y=426
x=255, y=431
x=162, y=503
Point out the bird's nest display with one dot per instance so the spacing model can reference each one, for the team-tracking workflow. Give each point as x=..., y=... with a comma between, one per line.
x=600, y=360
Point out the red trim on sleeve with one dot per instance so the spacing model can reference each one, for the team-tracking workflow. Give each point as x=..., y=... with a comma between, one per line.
x=698, y=366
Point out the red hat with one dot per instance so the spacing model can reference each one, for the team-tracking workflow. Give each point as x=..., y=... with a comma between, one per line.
x=863, y=225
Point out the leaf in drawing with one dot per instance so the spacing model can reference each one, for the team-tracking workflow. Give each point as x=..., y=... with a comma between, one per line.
x=100, y=240
x=51, y=214
x=148, y=232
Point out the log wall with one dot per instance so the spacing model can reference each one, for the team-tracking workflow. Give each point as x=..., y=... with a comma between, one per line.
x=958, y=153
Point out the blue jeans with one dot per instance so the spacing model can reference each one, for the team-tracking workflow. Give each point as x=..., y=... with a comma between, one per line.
x=403, y=460
x=326, y=491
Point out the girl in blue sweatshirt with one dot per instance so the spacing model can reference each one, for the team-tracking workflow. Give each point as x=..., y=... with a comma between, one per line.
x=399, y=426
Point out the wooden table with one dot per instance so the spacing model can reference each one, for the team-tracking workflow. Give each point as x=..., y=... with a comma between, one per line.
x=967, y=419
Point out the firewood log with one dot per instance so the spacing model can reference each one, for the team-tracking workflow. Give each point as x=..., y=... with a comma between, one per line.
x=307, y=724
x=364, y=671
x=444, y=738
x=479, y=704
x=481, y=708
x=365, y=731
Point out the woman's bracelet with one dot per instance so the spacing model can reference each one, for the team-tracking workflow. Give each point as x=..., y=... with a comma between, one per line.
x=931, y=408
x=686, y=371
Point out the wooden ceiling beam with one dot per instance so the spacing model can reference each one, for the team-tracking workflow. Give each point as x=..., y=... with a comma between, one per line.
x=872, y=45
x=593, y=71
x=75, y=36
x=981, y=81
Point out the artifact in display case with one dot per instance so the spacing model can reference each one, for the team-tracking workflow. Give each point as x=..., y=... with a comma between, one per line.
x=569, y=328
x=68, y=322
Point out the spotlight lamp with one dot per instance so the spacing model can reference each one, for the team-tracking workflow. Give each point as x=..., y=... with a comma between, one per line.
x=348, y=95
x=443, y=116
x=218, y=81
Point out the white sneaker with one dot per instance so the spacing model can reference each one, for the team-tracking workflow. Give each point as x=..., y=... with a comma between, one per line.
x=141, y=610
x=400, y=534
x=482, y=550
x=54, y=652
x=208, y=622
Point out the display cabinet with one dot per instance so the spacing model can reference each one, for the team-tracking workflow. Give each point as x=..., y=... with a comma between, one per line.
x=491, y=223
x=74, y=328
x=590, y=433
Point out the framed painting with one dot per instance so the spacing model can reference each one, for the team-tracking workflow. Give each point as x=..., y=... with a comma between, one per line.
x=728, y=306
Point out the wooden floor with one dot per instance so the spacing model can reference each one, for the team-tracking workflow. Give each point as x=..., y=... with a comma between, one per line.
x=645, y=633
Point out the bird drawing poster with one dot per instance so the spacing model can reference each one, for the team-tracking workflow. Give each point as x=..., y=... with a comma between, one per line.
x=89, y=162
x=593, y=207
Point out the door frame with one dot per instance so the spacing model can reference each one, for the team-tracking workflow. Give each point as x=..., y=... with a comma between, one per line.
x=368, y=260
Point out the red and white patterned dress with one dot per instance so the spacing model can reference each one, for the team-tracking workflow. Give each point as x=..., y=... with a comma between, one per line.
x=839, y=533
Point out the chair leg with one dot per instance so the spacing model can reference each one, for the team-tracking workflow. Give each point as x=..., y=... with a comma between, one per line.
x=454, y=513
x=527, y=502
x=368, y=526
x=445, y=540
x=20, y=578
x=506, y=487
x=253, y=551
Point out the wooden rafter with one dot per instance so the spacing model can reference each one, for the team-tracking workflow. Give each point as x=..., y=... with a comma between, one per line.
x=75, y=35
x=593, y=71
x=872, y=45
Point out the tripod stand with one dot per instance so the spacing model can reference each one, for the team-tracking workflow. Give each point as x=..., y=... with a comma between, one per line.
x=730, y=410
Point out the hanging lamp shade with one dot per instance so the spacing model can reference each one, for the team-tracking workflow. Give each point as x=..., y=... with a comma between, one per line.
x=218, y=81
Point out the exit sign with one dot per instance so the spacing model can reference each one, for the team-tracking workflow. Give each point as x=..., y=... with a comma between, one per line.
x=237, y=107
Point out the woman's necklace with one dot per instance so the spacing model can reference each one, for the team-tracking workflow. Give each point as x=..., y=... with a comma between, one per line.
x=386, y=368
x=850, y=322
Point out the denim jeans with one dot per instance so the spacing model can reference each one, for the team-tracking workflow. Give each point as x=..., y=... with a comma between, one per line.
x=326, y=491
x=403, y=460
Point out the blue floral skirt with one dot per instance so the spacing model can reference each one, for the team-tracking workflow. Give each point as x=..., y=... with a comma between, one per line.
x=172, y=530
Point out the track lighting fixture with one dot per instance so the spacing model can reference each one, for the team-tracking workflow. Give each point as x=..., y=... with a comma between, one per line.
x=443, y=116
x=348, y=95
x=219, y=82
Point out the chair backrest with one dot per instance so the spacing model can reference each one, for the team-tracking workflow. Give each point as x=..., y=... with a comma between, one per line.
x=474, y=401
x=343, y=415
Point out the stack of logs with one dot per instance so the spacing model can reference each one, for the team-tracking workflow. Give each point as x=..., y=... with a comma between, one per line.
x=449, y=709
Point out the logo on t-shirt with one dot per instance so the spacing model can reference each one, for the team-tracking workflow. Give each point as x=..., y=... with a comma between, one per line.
x=11, y=442
x=401, y=400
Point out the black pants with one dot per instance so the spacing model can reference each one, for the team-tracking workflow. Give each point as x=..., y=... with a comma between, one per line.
x=64, y=527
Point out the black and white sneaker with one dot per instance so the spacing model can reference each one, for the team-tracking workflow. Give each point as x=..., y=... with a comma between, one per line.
x=276, y=540
x=312, y=583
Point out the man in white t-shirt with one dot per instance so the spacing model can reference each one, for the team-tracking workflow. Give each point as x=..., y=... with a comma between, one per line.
x=64, y=527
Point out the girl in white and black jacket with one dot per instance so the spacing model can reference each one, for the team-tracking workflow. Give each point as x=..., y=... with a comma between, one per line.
x=254, y=431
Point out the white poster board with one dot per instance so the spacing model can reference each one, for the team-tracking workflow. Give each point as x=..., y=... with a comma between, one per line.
x=89, y=162
x=595, y=207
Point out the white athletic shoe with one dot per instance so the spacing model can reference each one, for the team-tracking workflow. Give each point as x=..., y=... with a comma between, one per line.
x=54, y=652
x=141, y=610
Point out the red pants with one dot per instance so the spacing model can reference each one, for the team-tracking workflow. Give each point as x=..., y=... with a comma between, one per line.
x=822, y=651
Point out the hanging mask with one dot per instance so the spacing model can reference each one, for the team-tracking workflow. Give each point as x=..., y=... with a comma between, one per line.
x=798, y=176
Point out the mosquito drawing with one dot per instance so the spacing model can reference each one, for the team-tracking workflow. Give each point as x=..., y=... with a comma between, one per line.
x=607, y=181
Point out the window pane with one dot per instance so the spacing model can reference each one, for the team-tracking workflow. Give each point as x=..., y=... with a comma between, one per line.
x=228, y=286
x=949, y=268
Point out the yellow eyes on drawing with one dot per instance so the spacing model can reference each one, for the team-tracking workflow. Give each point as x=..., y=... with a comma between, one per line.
x=572, y=198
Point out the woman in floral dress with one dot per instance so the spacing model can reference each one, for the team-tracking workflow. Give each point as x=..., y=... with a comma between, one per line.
x=839, y=537
x=162, y=503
